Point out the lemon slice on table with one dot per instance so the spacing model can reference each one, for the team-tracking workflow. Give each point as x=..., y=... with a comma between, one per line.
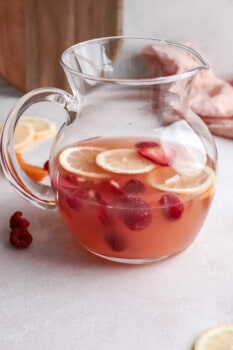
x=167, y=179
x=124, y=161
x=81, y=160
x=23, y=136
x=43, y=127
x=216, y=338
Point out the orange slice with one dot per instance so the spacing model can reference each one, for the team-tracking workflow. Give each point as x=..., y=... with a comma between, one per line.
x=216, y=338
x=81, y=160
x=36, y=173
x=124, y=161
x=43, y=127
x=23, y=136
x=167, y=179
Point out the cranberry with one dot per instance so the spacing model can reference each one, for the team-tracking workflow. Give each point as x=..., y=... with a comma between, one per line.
x=20, y=237
x=17, y=220
x=133, y=186
x=75, y=196
x=172, y=206
x=135, y=212
x=116, y=242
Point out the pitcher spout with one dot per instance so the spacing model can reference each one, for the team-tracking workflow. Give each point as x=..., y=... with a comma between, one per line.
x=173, y=62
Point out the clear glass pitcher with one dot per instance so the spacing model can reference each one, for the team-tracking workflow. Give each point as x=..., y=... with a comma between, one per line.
x=132, y=170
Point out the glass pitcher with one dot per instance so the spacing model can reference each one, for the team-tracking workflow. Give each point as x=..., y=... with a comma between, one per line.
x=132, y=169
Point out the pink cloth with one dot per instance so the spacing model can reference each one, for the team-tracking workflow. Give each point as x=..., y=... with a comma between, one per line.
x=211, y=98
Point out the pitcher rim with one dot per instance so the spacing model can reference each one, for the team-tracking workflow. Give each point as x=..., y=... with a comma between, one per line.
x=137, y=81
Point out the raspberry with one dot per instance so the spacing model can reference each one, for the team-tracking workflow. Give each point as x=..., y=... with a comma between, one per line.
x=133, y=186
x=135, y=212
x=46, y=165
x=75, y=196
x=103, y=212
x=172, y=206
x=116, y=242
x=17, y=220
x=112, y=186
x=20, y=237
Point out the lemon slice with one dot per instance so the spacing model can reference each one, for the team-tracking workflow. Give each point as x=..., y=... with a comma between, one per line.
x=216, y=338
x=80, y=160
x=43, y=127
x=167, y=179
x=23, y=136
x=124, y=161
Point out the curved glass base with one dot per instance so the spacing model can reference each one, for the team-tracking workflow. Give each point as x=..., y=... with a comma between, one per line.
x=131, y=261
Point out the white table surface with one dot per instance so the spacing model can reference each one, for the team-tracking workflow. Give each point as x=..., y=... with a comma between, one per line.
x=54, y=295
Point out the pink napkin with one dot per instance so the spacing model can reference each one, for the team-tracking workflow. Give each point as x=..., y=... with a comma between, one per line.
x=211, y=98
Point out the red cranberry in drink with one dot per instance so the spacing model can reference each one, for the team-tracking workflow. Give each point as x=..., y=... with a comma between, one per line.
x=171, y=206
x=135, y=212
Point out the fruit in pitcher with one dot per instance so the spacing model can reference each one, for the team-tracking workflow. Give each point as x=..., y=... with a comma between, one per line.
x=123, y=161
x=133, y=186
x=168, y=179
x=158, y=154
x=81, y=160
x=132, y=208
x=171, y=205
x=135, y=212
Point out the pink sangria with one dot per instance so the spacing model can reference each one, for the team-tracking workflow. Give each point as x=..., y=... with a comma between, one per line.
x=131, y=199
x=132, y=169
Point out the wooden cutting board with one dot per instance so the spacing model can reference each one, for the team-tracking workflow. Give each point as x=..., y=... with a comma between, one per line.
x=34, y=33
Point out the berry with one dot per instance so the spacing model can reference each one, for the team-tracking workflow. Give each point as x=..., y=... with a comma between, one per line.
x=113, y=187
x=158, y=154
x=172, y=206
x=133, y=186
x=102, y=210
x=75, y=196
x=116, y=242
x=46, y=165
x=20, y=237
x=17, y=220
x=135, y=212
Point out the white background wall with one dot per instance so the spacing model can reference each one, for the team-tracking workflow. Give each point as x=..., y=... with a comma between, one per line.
x=206, y=23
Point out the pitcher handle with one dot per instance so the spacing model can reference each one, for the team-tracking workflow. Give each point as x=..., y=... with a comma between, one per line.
x=37, y=193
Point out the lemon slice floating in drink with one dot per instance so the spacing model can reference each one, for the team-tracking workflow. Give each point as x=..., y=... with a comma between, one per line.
x=81, y=160
x=168, y=179
x=216, y=338
x=124, y=161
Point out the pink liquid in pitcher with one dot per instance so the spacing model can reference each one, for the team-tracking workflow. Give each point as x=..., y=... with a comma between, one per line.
x=144, y=214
